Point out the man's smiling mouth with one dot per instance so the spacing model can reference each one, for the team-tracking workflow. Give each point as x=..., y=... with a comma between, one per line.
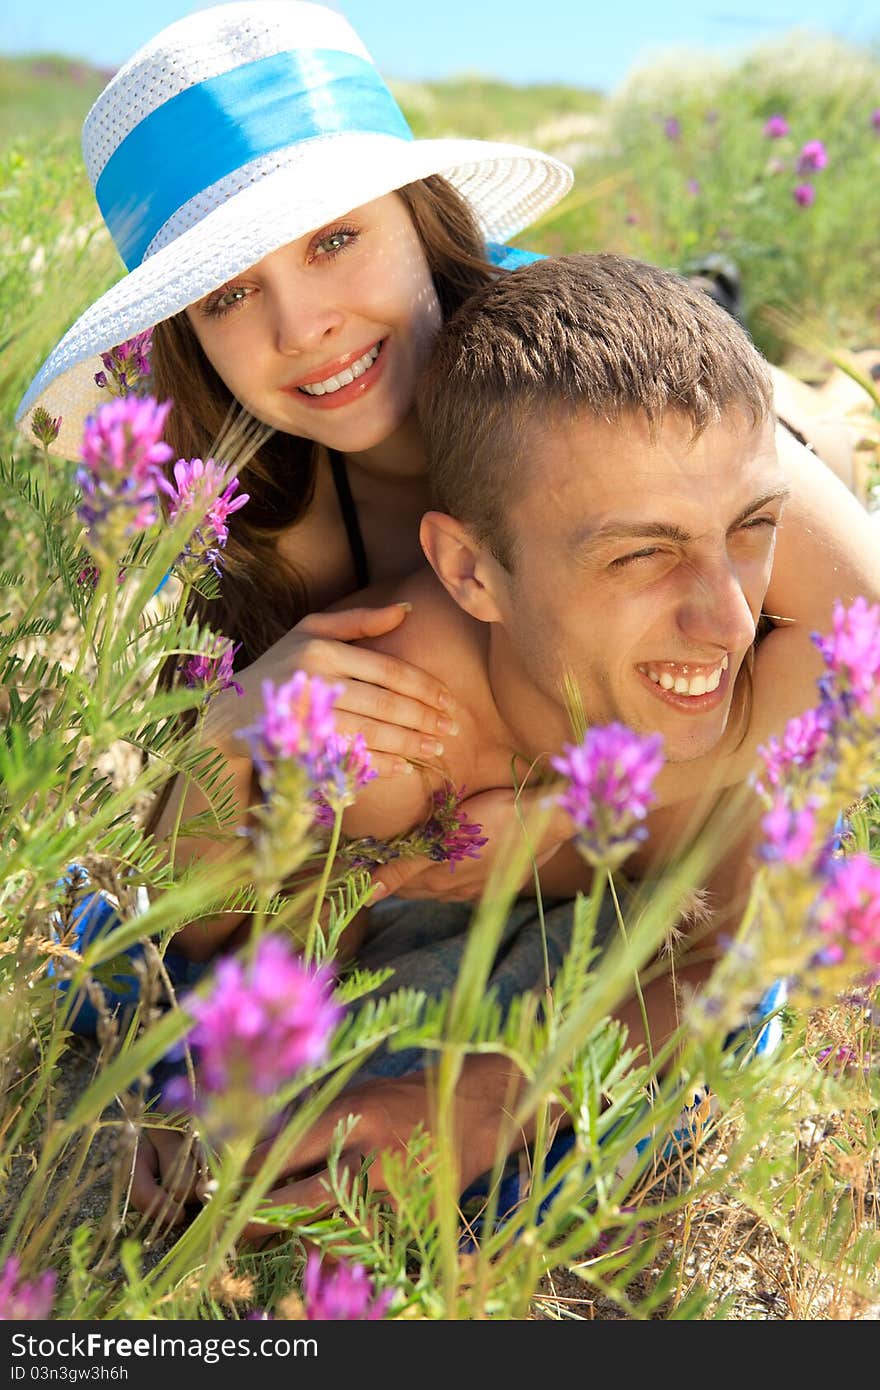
x=683, y=678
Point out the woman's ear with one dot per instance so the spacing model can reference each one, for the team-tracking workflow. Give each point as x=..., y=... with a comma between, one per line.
x=466, y=569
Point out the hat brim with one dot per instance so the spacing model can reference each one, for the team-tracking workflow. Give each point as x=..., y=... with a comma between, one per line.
x=507, y=186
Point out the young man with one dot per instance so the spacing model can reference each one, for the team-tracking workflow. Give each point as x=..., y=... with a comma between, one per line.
x=609, y=494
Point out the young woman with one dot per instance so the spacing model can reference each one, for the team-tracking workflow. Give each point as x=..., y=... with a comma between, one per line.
x=295, y=250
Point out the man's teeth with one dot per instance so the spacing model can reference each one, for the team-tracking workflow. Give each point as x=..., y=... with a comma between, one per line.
x=689, y=685
x=343, y=378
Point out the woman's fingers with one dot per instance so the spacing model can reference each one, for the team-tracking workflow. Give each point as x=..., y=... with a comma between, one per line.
x=352, y=624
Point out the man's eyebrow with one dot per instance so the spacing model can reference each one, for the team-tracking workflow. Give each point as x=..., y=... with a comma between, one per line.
x=586, y=538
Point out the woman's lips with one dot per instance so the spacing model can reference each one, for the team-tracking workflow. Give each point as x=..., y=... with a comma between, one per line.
x=344, y=395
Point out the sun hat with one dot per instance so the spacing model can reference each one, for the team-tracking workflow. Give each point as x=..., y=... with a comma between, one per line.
x=235, y=131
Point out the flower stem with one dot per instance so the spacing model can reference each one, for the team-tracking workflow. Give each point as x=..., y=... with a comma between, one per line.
x=638, y=984
x=329, y=859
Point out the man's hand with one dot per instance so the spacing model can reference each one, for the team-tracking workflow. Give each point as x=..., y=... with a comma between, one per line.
x=388, y=1113
x=504, y=818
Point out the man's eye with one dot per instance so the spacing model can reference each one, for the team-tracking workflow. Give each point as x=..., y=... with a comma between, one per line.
x=645, y=554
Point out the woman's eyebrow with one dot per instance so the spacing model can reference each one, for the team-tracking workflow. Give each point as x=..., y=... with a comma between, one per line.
x=588, y=537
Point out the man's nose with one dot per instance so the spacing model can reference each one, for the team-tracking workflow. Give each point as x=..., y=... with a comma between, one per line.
x=304, y=321
x=716, y=611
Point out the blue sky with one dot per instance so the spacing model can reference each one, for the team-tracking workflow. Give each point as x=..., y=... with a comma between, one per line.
x=586, y=42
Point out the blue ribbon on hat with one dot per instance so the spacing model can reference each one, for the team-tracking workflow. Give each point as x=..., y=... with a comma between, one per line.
x=215, y=127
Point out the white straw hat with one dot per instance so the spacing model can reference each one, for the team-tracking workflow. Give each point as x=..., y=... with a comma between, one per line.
x=238, y=130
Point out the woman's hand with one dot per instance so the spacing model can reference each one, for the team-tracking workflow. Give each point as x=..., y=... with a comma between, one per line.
x=400, y=710
x=501, y=814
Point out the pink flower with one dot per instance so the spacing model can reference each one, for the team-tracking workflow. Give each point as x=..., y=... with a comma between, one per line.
x=344, y=1293
x=126, y=365
x=213, y=669
x=693, y=187
x=262, y=1021
x=22, y=1302
x=812, y=158
x=804, y=195
x=849, y=912
x=852, y=656
x=120, y=476
x=790, y=834
x=344, y=770
x=297, y=724
x=875, y=118
x=204, y=487
x=672, y=128
x=610, y=776
x=776, y=127
x=448, y=837
x=805, y=736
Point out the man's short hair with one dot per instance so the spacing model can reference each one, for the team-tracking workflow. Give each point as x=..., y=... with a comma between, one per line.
x=569, y=334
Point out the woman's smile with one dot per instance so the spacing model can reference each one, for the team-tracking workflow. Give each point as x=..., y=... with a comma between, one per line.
x=342, y=381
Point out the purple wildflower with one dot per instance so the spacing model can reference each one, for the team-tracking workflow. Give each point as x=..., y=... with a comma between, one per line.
x=90, y=574
x=345, y=769
x=44, y=428
x=448, y=836
x=852, y=655
x=790, y=834
x=694, y=187
x=297, y=724
x=804, y=195
x=127, y=365
x=199, y=485
x=23, y=1302
x=342, y=1293
x=776, y=127
x=804, y=738
x=120, y=475
x=837, y=1059
x=672, y=128
x=609, y=790
x=812, y=158
x=875, y=119
x=263, y=1021
x=849, y=912
x=213, y=668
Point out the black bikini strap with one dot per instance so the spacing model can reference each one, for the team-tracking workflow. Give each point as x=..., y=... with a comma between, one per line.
x=350, y=518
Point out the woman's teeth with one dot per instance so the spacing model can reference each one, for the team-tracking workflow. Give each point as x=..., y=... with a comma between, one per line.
x=685, y=684
x=343, y=378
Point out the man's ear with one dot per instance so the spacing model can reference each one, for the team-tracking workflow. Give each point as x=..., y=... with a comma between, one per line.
x=466, y=569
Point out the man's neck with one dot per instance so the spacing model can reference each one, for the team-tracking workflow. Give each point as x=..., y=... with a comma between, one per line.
x=537, y=727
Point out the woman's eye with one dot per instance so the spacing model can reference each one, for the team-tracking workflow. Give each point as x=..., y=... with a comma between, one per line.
x=224, y=300
x=331, y=243
x=759, y=523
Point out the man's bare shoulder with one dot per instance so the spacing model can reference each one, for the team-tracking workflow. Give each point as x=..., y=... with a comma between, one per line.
x=436, y=635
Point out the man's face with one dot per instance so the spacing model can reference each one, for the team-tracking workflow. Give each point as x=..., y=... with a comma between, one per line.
x=640, y=569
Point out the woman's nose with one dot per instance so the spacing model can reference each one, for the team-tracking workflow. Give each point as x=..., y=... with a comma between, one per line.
x=304, y=321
